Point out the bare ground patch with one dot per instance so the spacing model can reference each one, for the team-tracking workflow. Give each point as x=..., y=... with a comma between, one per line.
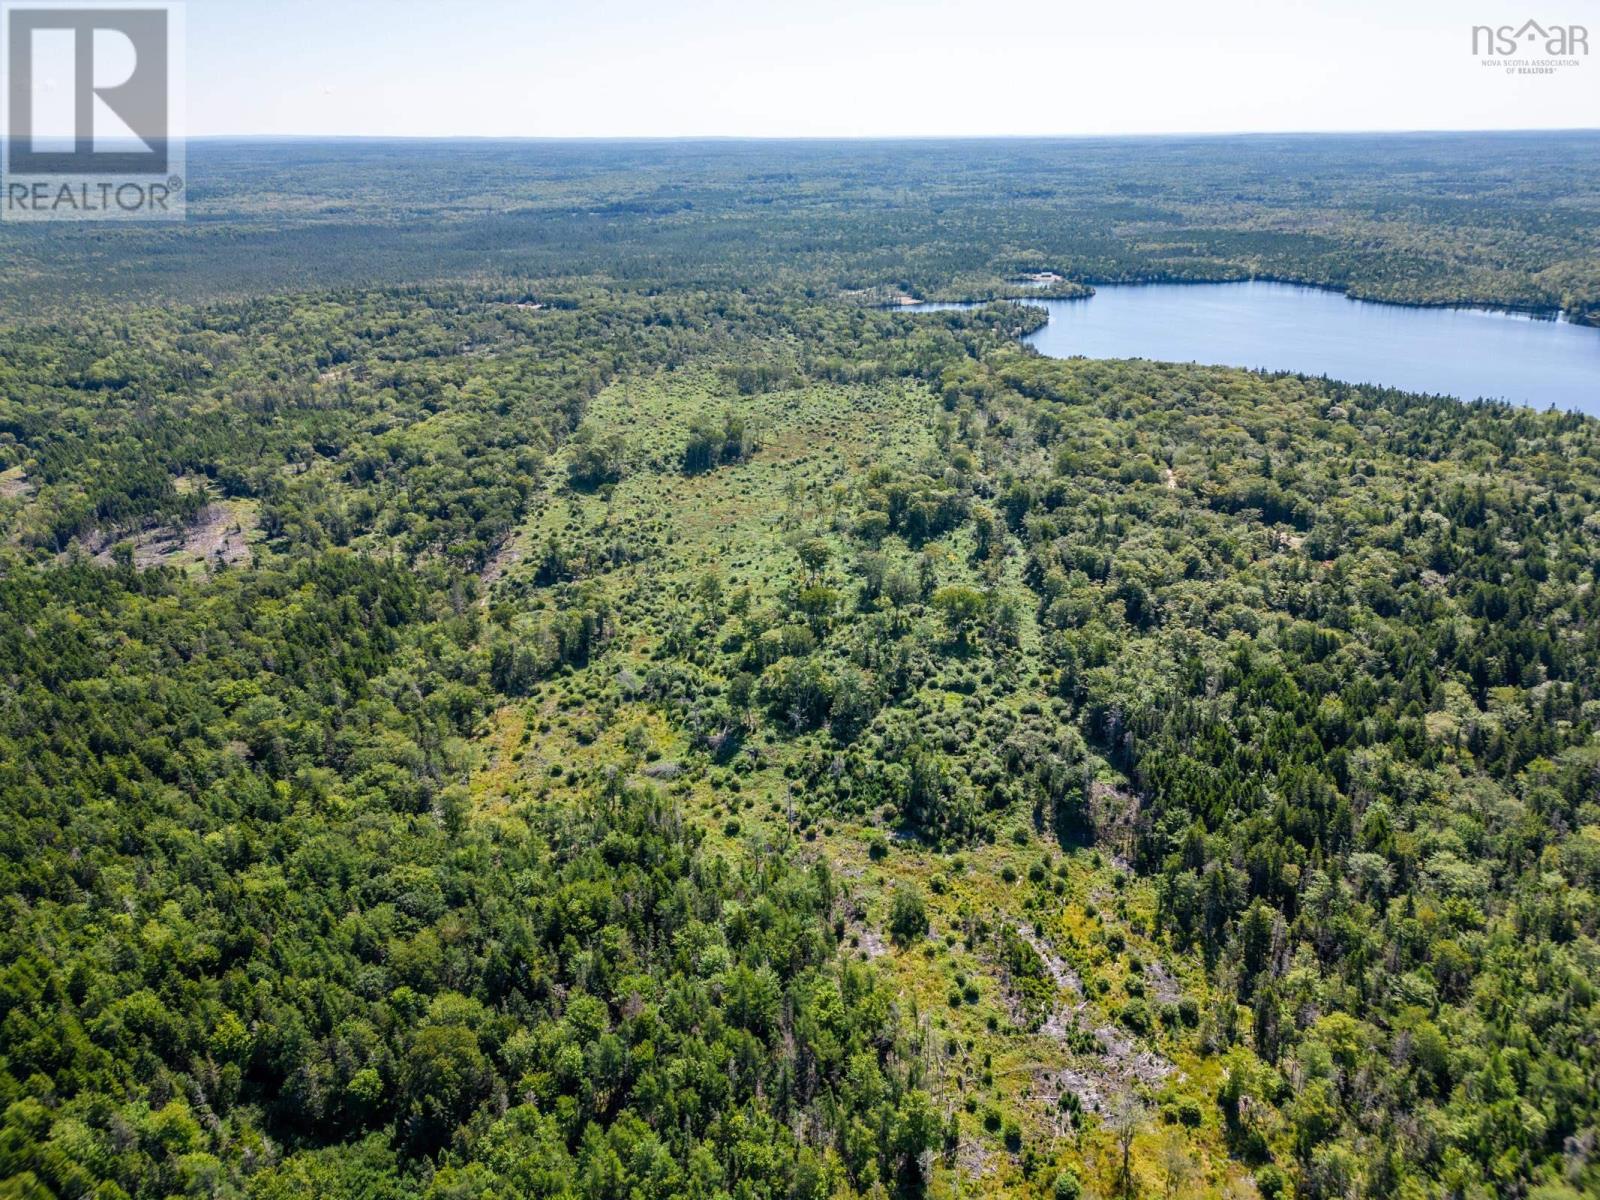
x=14, y=485
x=1063, y=975
x=507, y=555
x=221, y=533
x=1099, y=1081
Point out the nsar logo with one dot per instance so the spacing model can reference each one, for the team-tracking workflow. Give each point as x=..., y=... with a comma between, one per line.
x=1531, y=48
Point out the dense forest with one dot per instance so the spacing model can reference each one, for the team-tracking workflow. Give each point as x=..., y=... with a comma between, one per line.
x=708, y=733
x=1505, y=219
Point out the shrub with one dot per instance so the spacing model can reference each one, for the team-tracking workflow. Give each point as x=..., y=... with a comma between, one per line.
x=1271, y=1182
x=1013, y=1135
x=908, y=916
x=1136, y=1016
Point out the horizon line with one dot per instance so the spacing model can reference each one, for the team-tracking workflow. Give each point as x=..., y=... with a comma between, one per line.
x=878, y=137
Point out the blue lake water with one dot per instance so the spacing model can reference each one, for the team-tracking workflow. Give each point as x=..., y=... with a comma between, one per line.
x=1463, y=352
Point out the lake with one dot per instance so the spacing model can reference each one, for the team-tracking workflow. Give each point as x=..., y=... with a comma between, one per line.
x=1463, y=352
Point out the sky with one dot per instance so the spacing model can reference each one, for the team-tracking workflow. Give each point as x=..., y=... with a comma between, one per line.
x=851, y=68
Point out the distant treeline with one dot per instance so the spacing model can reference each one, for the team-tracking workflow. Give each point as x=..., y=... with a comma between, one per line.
x=1506, y=219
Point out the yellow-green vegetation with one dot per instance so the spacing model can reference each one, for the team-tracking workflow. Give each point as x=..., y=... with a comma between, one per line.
x=1029, y=1068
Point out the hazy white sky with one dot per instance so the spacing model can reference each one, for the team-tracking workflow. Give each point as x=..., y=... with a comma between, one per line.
x=866, y=67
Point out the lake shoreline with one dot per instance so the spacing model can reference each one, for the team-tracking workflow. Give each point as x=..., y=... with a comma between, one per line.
x=1536, y=312
x=1469, y=351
